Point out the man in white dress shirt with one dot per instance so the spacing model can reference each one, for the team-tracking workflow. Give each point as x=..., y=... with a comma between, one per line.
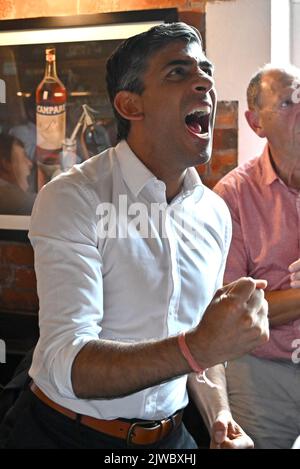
x=130, y=250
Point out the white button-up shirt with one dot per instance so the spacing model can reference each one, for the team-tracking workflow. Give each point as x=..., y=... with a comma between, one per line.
x=115, y=261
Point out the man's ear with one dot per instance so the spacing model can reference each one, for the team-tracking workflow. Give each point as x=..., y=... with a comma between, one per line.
x=253, y=120
x=129, y=105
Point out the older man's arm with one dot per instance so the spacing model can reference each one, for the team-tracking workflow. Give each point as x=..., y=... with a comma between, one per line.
x=284, y=306
x=214, y=407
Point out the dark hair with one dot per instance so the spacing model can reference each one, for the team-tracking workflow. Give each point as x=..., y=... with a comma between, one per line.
x=128, y=63
x=6, y=144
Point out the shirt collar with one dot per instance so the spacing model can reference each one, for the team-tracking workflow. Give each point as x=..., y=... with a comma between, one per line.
x=268, y=173
x=137, y=175
x=192, y=185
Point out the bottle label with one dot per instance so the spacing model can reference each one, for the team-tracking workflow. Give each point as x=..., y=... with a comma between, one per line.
x=51, y=125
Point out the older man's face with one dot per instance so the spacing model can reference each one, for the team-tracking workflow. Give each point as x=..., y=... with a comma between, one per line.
x=280, y=113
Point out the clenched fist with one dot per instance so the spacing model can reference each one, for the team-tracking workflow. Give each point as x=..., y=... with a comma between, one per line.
x=235, y=322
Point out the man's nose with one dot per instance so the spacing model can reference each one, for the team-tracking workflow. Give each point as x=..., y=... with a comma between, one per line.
x=203, y=83
x=29, y=163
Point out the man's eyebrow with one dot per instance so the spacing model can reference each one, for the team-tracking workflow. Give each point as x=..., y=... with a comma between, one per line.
x=206, y=64
x=202, y=63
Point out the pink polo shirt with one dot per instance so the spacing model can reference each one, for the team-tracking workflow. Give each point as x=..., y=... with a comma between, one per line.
x=266, y=237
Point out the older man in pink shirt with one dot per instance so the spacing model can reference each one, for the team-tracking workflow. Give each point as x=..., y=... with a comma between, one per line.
x=263, y=196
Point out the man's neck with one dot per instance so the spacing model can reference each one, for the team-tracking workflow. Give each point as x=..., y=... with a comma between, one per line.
x=172, y=178
x=288, y=169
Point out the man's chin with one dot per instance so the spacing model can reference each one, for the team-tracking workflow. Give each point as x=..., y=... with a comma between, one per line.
x=204, y=157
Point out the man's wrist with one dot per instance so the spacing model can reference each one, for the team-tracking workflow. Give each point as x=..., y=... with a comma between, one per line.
x=223, y=413
x=186, y=353
x=197, y=345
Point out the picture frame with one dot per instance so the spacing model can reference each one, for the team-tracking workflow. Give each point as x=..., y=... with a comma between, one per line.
x=82, y=42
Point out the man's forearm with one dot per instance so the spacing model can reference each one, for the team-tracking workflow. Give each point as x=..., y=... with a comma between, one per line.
x=210, y=401
x=234, y=323
x=109, y=369
x=284, y=306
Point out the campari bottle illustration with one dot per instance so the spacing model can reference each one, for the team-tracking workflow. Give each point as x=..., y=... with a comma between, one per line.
x=51, y=99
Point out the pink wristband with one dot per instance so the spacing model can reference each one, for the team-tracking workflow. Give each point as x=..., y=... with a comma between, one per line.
x=187, y=354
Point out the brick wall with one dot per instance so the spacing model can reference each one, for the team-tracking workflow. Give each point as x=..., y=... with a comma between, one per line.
x=17, y=279
x=224, y=156
x=35, y=8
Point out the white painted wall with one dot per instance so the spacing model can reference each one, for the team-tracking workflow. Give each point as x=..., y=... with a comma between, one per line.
x=295, y=37
x=281, y=31
x=238, y=35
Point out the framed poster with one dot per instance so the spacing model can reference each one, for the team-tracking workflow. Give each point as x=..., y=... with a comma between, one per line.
x=39, y=138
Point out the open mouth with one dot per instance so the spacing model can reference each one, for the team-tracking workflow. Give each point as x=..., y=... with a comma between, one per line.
x=197, y=122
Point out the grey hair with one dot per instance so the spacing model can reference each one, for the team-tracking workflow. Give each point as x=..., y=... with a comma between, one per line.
x=254, y=87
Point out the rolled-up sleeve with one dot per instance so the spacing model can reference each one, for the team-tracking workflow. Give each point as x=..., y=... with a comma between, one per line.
x=69, y=276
